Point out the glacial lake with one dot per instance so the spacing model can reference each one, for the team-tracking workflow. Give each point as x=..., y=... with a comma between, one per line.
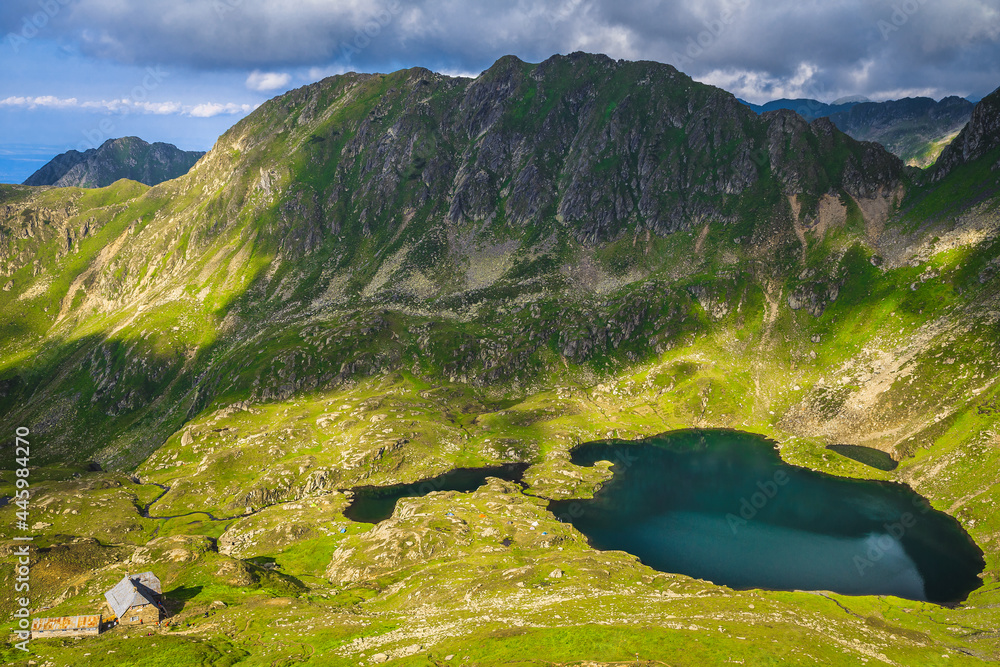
x=372, y=504
x=722, y=506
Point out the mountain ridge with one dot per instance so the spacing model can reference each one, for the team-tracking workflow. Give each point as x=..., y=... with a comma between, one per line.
x=806, y=107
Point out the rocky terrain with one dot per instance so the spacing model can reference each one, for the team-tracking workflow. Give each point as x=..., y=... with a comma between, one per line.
x=127, y=157
x=975, y=141
x=377, y=278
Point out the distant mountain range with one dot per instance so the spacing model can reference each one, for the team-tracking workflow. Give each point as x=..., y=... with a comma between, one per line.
x=807, y=108
x=914, y=128
x=127, y=157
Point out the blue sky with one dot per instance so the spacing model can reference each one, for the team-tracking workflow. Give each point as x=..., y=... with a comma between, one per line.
x=75, y=72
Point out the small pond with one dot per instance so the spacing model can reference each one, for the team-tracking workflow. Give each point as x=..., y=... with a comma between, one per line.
x=722, y=506
x=372, y=504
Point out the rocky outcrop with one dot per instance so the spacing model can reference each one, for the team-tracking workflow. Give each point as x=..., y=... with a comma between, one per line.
x=816, y=158
x=490, y=520
x=979, y=137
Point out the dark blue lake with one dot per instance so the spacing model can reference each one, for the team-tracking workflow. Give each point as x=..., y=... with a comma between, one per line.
x=722, y=506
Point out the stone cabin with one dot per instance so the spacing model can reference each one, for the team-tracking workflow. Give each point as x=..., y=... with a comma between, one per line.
x=66, y=626
x=136, y=599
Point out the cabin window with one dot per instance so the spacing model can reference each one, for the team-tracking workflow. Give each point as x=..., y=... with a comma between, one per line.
x=134, y=618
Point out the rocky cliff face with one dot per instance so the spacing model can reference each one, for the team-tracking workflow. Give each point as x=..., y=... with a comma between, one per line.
x=127, y=157
x=800, y=159
x=977, y=139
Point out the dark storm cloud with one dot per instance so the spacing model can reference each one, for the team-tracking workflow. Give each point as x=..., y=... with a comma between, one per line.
x=757, y=48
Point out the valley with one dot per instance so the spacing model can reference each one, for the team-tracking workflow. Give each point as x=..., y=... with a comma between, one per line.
x=375, y=279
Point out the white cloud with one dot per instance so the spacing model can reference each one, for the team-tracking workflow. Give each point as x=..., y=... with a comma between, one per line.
x=126, y=106
x=210, y=109
x=46, y=101
x=759, y=87
x=318, y=73
x=160, y=108
x=459, y=73
x=265, y=81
